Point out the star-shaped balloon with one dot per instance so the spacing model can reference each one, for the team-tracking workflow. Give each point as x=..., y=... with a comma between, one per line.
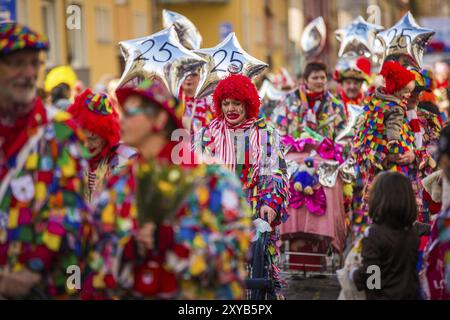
x=159, y=56
x=313, y=37
x=225, y=58
x=355, y=112
x=378, y=52
x=406, y=39
x=187, y=32
x=357, y=38
x=269, y=92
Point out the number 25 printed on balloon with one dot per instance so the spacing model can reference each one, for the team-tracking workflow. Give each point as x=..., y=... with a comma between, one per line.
x=159, y=56
x=226, y=58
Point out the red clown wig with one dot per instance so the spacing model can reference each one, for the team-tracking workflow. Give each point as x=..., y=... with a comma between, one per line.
x=237, y=87
x=395, y=76
x=95, y=113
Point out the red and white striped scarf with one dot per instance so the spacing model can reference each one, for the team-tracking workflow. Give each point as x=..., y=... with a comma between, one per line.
x=416, y=127
x=222, y=142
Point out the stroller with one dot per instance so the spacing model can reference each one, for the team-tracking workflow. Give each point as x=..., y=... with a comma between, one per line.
x=259, y=284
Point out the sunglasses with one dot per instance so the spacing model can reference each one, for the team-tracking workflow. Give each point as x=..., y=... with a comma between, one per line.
x=133, y=112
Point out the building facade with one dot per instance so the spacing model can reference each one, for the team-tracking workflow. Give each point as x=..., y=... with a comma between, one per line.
x=85, y=33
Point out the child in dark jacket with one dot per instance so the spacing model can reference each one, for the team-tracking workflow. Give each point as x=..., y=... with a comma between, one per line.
x=391, y=243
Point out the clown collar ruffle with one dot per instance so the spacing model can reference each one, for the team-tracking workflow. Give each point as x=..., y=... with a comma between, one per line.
x=17, y=135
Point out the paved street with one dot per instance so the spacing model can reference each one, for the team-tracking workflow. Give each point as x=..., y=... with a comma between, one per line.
x=311, y=288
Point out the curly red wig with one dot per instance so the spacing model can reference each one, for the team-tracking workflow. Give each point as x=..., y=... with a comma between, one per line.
x=94, y=112
x=395, y=76
x=237, y=87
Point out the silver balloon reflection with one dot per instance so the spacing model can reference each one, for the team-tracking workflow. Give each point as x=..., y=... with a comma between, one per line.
x=187, y=32
x=354, y=114
x=159, y=56
x=268, y=91
x=358, y=38
x=406, y=39
x=313, y=38
x=329, y=171
x=292, y=167
x=225, y=58
x=347, y=170
x=378, y=51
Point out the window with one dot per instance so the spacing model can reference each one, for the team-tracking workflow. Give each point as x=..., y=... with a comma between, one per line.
x=295, y=25
x=140, y=27
x=49, y=23
x=259, y=30
x=22, y=11
x=76, y=43
x=103, y=24
x=280, y=34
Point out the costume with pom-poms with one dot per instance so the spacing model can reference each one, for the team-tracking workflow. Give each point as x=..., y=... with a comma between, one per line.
x=257, y=158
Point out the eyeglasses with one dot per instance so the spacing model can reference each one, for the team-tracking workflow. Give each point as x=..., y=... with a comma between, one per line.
x=131, y=112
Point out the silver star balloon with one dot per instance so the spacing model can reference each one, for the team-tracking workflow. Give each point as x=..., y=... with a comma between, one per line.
x=329, y=171
x=188, y=34
x=159, y=56
x=406, y=39
x=313, y=38
x=357, y=38
x=225, y=58
x=378, y=52
x=268, y=91
x=355, y=112
x=347, y=170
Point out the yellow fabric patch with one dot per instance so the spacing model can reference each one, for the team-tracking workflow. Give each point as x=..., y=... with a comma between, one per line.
x=236, y=289
x=199, y=242
x=98, y=281
x=52, y=241
x=108, y=214
x=203, y=195
x=62, y=116
x=198, y=265
x=32, y=161
x=13, y=218
x=69, y=169
x=41, y=191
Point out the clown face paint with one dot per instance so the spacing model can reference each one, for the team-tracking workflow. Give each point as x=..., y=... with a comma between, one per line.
x=233, y=111
x=94, y=143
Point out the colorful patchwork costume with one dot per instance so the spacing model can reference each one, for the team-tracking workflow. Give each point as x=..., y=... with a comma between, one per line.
x=253, y=151
x=201, y=218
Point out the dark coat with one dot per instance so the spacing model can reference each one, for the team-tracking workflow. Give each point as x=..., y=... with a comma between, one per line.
x=396, y=252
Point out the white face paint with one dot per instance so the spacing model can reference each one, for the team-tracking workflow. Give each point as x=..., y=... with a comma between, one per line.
x=234, y=111
x=94, y=143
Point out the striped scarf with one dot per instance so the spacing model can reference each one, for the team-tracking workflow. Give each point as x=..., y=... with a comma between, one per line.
x=416, y=127
x=224, y=143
